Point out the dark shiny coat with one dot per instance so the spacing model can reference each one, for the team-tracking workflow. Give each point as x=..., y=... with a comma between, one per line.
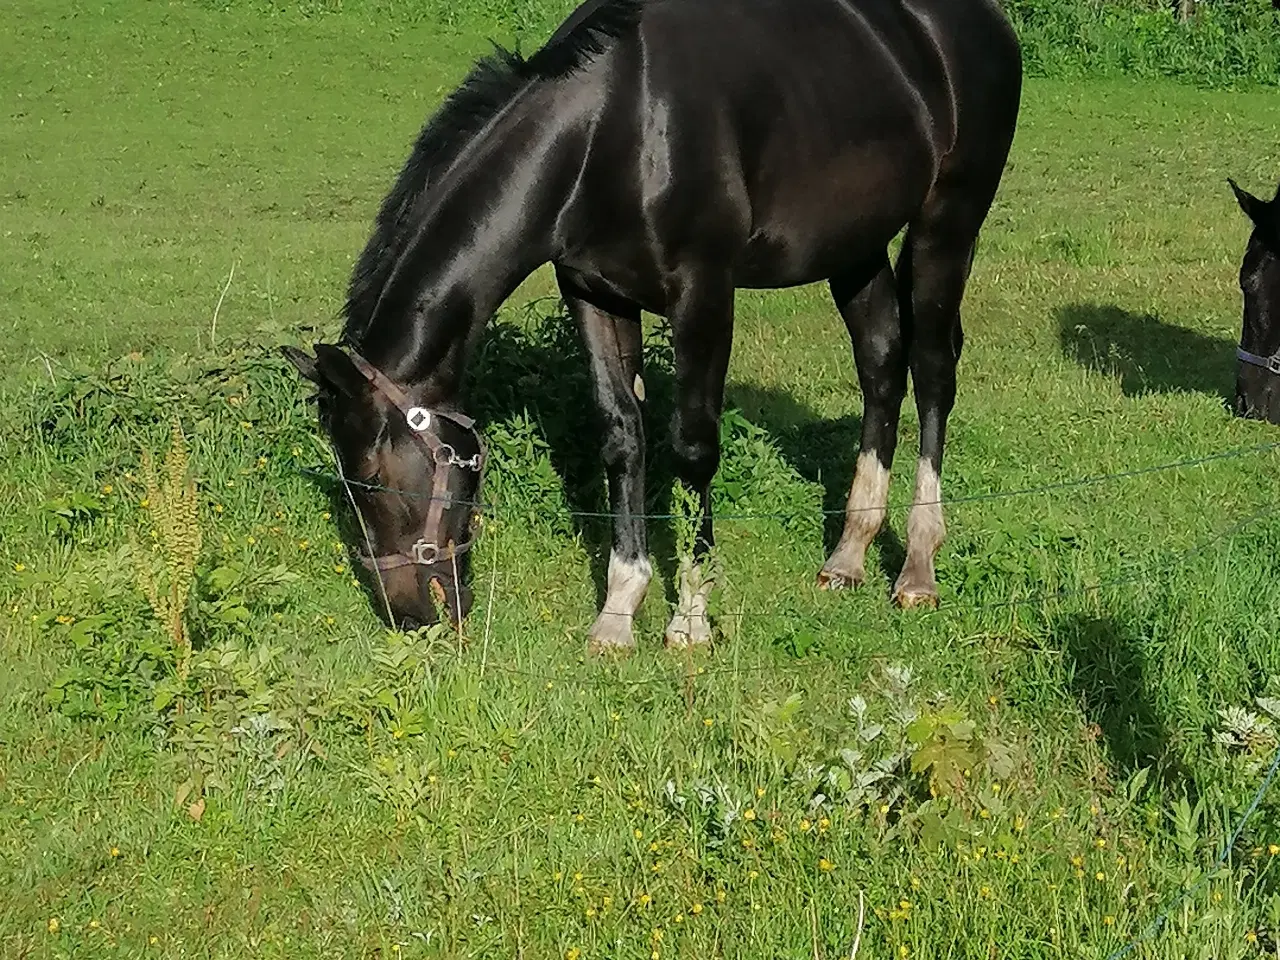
x=661, y=154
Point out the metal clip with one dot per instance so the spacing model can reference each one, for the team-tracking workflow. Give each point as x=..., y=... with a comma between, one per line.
x=420, y=555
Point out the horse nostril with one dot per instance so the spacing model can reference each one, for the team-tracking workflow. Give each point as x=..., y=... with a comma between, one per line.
x=409, y=624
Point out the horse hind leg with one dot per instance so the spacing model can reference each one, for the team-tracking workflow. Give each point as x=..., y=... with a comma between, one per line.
x=933, y=271
x=870, y=312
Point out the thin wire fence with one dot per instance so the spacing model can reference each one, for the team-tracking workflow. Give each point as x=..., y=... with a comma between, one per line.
x=1054, y=486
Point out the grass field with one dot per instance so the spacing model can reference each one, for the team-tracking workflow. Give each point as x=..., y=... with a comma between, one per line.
x=1030, y=771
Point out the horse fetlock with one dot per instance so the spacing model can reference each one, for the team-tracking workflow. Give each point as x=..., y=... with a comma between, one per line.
x=691, y=624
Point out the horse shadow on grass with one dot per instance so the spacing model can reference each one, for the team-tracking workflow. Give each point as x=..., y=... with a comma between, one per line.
x=1145, y=353
x=824, y=451
x=1110, y=679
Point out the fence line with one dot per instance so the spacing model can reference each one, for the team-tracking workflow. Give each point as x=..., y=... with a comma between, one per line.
x=1186, y=893
x=1057, y=485
x=1134, y=577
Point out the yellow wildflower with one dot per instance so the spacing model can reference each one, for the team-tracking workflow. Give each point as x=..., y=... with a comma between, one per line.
x=54, y=925
x=696, y=909
x=750, y=814
x=805, y=826
x=826, y=865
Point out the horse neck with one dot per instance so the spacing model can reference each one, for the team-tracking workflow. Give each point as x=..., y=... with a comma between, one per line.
x=485, y=226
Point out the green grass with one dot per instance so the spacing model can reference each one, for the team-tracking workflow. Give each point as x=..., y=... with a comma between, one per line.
x=363, y=795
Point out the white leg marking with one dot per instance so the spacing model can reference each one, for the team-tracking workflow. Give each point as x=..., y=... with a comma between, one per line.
x=864, y=513
x=628, y=581
x=690, y=626
x=925, y=533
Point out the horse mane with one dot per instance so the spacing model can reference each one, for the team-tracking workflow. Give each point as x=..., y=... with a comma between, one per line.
x=492, y=83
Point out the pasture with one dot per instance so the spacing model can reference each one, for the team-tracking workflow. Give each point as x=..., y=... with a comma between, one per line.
x=1032, y=770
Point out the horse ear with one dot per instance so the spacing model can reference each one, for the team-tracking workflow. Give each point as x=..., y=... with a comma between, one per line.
x=1259, y=211
x=306, y=365
x=338, y=372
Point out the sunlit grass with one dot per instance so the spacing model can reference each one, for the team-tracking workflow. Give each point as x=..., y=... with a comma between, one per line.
x=315, y=787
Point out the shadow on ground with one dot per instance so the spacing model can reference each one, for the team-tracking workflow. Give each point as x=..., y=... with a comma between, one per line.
x=823, y=451
x=1110, y=679
x=1147, y=354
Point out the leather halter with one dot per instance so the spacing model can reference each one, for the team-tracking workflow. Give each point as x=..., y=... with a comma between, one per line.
x=1271, y=364
x=425, y=552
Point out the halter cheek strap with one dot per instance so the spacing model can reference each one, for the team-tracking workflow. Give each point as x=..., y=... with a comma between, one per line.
x=421, y=421
x=1271, y=364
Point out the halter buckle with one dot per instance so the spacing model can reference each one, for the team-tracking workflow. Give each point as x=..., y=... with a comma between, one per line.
x=420, y=553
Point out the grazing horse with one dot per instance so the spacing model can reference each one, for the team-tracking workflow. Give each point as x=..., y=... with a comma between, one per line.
x=661, y=154
x=1258, y=375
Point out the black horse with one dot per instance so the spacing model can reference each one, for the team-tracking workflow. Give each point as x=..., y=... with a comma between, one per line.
x=1258, y=376
x=661, y=154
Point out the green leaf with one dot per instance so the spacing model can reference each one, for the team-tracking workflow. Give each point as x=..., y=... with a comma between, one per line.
x=920, y=730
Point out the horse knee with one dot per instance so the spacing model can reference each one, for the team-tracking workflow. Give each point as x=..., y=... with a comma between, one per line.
x=695, y=445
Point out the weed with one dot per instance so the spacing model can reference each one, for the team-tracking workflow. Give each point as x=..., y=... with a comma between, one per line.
x=172, y=510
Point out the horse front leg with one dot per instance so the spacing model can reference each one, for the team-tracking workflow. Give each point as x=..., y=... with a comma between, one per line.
x=615, y=347
x=702, y=333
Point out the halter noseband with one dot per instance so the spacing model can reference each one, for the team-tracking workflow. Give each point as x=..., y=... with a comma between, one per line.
x=1271, y=364
x=425, y=552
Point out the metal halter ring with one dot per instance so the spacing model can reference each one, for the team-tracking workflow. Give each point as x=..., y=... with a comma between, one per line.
x=420, y=555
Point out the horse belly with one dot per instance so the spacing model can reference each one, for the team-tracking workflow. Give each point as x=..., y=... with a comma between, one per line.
x=819, y=223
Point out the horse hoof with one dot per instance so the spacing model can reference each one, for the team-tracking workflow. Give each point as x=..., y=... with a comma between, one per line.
x=834, y=578
x=908, y=597
x=684, y=632
x=611, y=637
